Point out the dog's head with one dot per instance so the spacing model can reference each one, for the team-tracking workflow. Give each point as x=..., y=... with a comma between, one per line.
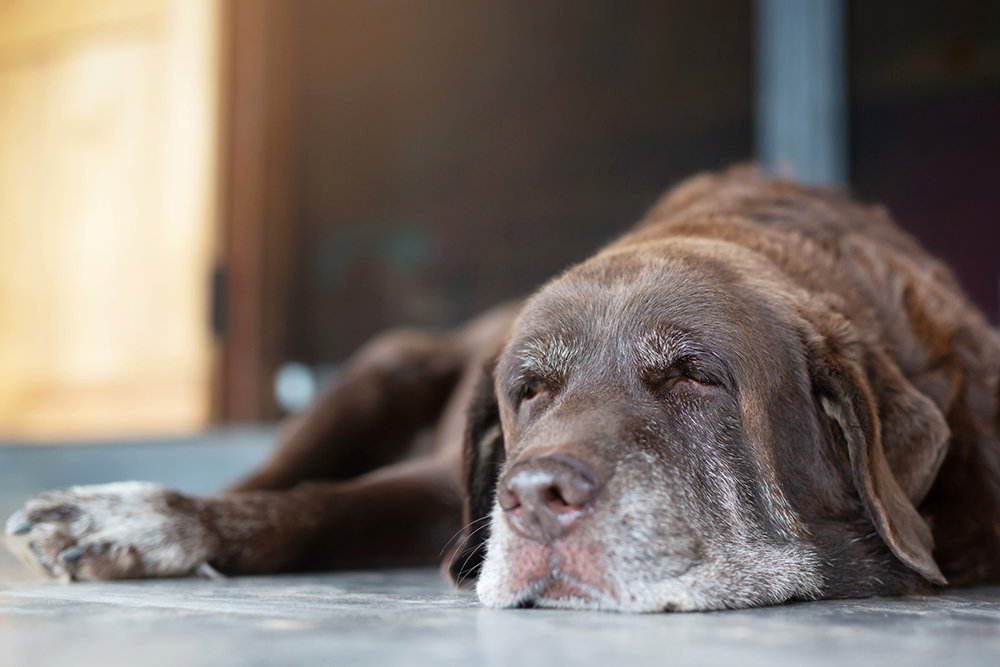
x=672, y=426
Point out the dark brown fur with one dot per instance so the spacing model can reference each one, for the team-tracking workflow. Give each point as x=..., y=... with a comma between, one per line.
x=868, y=395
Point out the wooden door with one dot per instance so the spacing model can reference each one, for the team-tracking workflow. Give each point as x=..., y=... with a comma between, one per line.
x=108, y=207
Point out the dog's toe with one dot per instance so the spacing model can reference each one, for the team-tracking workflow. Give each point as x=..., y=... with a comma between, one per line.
x=71, y=555
x=18, y=523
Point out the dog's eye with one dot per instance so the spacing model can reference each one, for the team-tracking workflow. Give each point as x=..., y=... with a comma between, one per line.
x=533, y=388
x=692, y=373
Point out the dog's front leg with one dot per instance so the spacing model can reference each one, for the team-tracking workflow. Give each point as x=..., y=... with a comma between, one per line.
x=398, y=515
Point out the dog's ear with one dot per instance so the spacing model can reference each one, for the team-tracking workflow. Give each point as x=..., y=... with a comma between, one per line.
x=483, y=456
x=896, y=437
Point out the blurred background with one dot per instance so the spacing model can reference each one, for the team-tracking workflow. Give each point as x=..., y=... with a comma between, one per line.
x=204, y=200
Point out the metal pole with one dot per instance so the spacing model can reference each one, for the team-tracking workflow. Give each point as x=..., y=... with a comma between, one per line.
x=801, y=105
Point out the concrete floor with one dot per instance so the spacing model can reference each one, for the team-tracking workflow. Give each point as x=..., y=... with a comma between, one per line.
x=411, y=617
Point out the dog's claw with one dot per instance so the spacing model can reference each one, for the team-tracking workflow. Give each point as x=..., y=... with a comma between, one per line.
x=71, y=555
x=206, y=571
x=39, y=561
x=18, y=523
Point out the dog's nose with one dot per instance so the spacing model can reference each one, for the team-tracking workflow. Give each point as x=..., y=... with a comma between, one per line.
x=544, y=497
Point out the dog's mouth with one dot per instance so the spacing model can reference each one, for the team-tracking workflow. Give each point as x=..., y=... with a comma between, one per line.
x=569, y=573
x=559, y=588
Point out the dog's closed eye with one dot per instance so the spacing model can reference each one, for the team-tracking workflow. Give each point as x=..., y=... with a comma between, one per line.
x=690, y=372
x=683, y=371
x=532, y=389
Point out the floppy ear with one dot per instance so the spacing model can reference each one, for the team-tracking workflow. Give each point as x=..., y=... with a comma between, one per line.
x=896, y=439
x=483, y=456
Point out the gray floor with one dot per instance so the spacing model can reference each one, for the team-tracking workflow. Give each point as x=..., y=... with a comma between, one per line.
x=410, y=617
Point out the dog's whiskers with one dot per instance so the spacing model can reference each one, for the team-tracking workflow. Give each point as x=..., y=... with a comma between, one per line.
x=465, y=573
x=468, y=557
x=460, y=531
x=468, y=537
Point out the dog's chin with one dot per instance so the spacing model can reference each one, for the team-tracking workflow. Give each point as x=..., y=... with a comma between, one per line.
x=556, y=591
x=564, y=592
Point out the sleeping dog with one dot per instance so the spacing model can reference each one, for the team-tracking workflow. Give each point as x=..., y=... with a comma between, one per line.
x=763, y=392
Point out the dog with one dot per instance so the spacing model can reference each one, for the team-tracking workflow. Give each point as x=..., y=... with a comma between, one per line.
x=763, y=392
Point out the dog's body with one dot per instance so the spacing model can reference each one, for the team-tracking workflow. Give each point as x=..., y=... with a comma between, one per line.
x=763, y=392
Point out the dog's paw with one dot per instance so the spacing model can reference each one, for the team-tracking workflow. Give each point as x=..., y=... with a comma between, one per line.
x=111, y=531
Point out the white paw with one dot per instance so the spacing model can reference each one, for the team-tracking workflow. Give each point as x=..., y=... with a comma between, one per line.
x=111, y=531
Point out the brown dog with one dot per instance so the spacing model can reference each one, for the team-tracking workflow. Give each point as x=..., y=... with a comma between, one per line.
x=764, y=392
